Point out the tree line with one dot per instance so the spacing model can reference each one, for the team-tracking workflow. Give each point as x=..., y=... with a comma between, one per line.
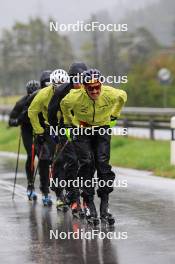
x=28, y=48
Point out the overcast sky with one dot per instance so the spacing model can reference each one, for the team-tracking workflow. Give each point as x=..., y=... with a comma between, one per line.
x=64, y=11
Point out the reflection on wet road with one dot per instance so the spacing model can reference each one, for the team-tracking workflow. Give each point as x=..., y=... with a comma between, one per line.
x=145, y=210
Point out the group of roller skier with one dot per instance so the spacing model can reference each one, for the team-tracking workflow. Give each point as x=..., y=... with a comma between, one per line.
x=64, y=100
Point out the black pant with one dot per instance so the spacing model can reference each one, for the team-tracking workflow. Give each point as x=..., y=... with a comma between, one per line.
x=71, y=170
x=98, y=147
x=27, y=137
x=65, y=168
x=45, y=153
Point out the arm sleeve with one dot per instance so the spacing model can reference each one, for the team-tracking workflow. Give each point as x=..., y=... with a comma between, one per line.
x=121, y=98
x=66, y=107
x=54, y=111
x=35, y=108
x=17, y=111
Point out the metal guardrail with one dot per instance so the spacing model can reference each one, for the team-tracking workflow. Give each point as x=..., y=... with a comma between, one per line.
x=152, y=125
x=150, y=118
x=127, y=111
x=137, y=117
x=148, y=111
x=5, y=109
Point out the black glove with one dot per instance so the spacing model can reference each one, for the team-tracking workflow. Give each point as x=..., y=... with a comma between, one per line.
x=113, y=121
x=113, y=118
x=41, y=139
x=13, y=122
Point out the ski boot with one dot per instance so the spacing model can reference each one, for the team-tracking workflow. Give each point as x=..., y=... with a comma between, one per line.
x=67, y=198
x=47, y=200
x=105, y=216
x=83, y=210
x=31, y=194
x=91, y=213
x=75, y=207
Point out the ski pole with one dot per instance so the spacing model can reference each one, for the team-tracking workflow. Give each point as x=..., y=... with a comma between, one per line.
x=59, y=152
x=51, y=167
x=16, y=170
x=33, y=158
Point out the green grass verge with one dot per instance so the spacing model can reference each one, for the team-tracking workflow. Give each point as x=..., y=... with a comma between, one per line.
x=9, y=100
x=125, y=152
x=9, y=138
x=142, y=154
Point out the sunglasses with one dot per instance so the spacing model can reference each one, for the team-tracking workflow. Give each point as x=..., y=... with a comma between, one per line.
x=92, y=88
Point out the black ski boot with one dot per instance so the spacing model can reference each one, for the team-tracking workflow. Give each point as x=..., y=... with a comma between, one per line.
x=83, y=209
x=105, y=216
x=91, y=213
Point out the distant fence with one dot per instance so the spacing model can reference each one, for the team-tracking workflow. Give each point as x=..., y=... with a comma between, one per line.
x=4, y=112
x=150, y=118
x=5, y=109
x=133, y=117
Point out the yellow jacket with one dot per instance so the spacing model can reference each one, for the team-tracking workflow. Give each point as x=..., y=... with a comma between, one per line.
x=92, y=112
x=40, y=105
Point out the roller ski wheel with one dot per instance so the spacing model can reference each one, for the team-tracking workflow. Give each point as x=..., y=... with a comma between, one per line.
x=76, y=215
x=63, y=209
x=47, y=201
x=82, y=214
x=108, y=220
x=61, y=206
x=93, y=221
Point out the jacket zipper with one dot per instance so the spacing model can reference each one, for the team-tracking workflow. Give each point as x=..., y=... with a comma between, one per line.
x=94, y=111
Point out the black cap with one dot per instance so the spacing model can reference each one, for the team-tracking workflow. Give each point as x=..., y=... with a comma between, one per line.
x=77, y=67
x=45, y=77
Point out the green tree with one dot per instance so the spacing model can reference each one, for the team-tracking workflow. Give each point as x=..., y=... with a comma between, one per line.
x=29, y=48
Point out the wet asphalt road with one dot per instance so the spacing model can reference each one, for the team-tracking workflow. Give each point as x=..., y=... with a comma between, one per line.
x=145, y=210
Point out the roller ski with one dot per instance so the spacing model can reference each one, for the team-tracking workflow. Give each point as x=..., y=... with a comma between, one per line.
x=31, y=194
x=94, y=221
x=105, y=216
x=61, y=205
x=108, y=219
x=91, y=213
x=47, y=200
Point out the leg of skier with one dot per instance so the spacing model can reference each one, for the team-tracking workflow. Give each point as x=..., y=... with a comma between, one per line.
x=85, y=157
x=45, y=153
x=105, y=174
x=58, y=174
x=27, y=137
x=71, y=169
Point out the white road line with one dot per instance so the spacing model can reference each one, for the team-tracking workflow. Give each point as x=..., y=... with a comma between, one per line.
x=19, y=189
